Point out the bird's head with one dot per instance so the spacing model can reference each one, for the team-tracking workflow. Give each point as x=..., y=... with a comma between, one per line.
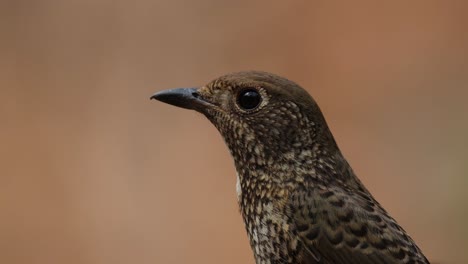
x=268, y=122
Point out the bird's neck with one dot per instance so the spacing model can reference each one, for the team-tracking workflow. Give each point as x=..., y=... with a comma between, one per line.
x=265, y=165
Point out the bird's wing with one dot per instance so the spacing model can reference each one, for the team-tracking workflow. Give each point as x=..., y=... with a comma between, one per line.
x=348, y=226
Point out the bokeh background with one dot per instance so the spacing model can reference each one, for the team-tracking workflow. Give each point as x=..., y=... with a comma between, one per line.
x=92, y=171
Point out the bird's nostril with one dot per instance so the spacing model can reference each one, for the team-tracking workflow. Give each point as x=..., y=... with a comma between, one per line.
x=195, y=94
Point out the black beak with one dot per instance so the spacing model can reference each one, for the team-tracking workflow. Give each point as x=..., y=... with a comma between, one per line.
x=182, y=97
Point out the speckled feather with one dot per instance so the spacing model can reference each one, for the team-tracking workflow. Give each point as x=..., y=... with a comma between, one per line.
x=300, y=200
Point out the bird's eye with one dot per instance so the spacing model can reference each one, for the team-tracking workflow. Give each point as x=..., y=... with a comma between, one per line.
x=248, y=99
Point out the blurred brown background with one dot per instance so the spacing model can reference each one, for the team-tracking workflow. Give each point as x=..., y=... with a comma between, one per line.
x=92, y=171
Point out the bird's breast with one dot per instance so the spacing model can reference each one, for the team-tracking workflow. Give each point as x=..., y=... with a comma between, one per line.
x=266, y=223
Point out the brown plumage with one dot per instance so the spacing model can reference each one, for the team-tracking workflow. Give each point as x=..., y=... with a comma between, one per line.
x=300, y=200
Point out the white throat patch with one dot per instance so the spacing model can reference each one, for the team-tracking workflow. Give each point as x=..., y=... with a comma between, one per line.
x=238, y=188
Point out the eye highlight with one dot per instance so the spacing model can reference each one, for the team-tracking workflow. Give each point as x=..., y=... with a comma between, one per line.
x=249, y=99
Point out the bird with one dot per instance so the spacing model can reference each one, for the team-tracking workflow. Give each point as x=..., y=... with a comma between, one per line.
x=300, y=200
